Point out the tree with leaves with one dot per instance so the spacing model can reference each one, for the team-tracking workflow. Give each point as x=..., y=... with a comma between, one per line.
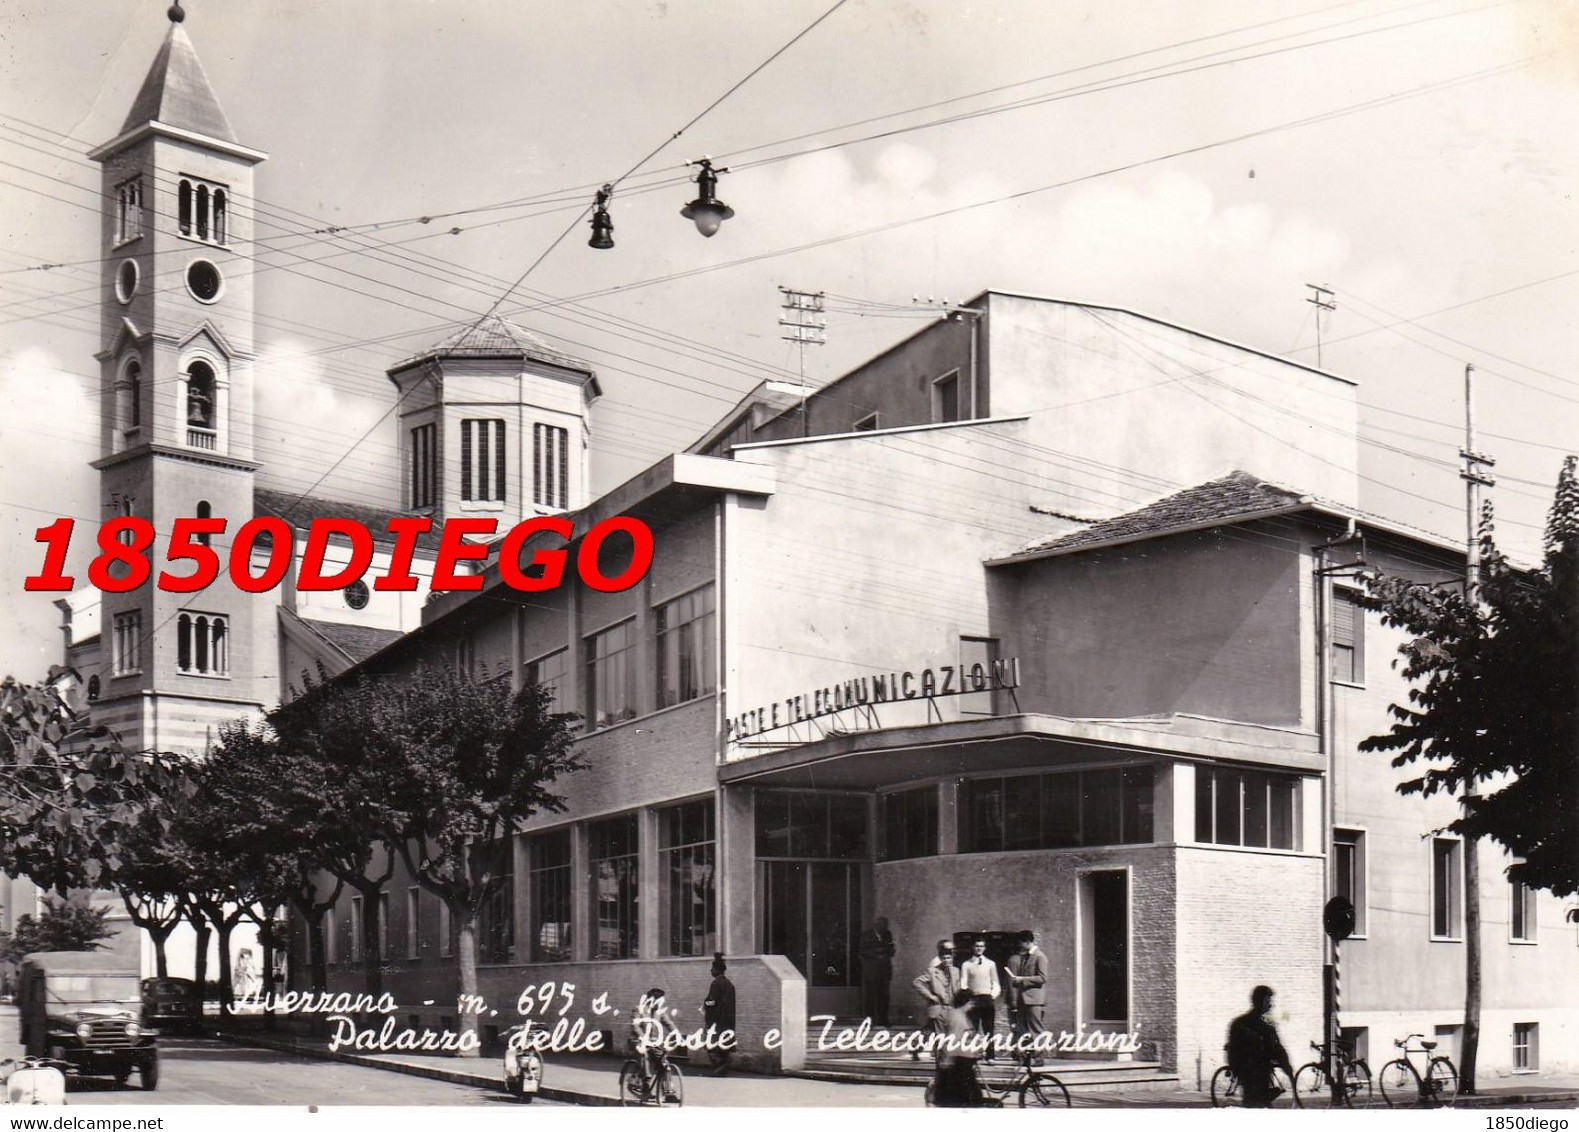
x=459, y=765
x=1494, y=704
x=65, y=925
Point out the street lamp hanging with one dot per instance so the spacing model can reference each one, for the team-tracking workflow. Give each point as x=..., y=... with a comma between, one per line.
x=602, y=226
x=707, y=211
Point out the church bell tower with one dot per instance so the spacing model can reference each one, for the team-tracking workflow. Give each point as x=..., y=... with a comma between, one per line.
x=176, y=433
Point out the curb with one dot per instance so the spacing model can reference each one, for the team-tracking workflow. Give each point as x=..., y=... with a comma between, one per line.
x=434, y=1073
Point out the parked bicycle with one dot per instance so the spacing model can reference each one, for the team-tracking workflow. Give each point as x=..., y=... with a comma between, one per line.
x=1226, y=1092
x=665, y=1085
x=1314, y=1081
x=1402, y=1081
x=1032, y=1086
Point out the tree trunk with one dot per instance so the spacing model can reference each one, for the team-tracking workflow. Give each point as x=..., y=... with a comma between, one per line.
x=372, y=957
x=227, y=993
x=200, y=956
x=466, y=968
x=161, y=936
x=1471, y=1048
x=317, y=953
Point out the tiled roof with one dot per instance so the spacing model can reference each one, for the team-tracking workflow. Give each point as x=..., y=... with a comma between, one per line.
x=357, y=641
x=300, y=511
x=1234, y=497
x=176, y=92
x=493, y=337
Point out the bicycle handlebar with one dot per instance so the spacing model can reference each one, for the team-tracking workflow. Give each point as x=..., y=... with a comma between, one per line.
x=1404, y=1043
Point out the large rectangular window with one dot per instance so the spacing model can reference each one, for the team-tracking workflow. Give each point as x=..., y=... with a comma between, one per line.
x=496, y=917
x=548, y=855
x=686, y=878
x=685, y=647
x=910, y=824
x=1521, y=919
x=1348, y=637
x=611, y=675
x=1348, y=872
x=128, y=645
x=550, y=466
x=482, y=461
x=1246, y=807
x=1110, y=806
x=422, y=488
x=792, y=823
x=552, y=671
x=1447, y=888
x=202, y=647
x=612, y=849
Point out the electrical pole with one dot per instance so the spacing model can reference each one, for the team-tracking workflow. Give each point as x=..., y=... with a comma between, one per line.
x=1474, y=479
x=1320, y=298
x=803, y=324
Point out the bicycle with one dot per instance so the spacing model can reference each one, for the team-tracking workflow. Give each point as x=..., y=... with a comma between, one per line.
x=666, y=1085
x=1034, y=1087
x=1400, y=1078
x=1226, y=1092
x=1315, y=1079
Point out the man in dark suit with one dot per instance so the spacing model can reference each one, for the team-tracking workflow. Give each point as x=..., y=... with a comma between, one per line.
x=1027, y=988
x=877, y=970
x=718, y=1014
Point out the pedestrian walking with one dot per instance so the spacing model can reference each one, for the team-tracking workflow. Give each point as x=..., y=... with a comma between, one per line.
x=979, y=975
x=877, y=970
x=937, y=985
x=1027, y=990
x=718, y=1016
x=1254, y=1050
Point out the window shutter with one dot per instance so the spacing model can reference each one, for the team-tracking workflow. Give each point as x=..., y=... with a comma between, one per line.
x=466, y=460
x=498, y=460
x=563, y=481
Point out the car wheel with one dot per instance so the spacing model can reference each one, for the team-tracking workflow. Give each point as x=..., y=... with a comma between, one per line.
x=122, y=1076
x=150, y=1074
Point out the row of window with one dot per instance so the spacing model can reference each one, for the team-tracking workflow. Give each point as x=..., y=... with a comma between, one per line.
x=1447, y=888
x=201, y=393
x=483, y=464
x=202, y=644
x=685, y=662
x=1526, y=1042
x=202, y=210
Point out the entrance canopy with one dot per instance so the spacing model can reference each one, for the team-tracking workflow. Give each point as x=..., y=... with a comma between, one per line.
x=863, y=760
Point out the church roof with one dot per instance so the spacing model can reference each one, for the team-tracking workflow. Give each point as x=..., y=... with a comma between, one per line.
x=494, y=337
x=301, y=510
x=177, y=93
x=358, y=642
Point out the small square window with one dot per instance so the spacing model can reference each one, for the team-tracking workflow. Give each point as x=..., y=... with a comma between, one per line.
x=1526, y=1047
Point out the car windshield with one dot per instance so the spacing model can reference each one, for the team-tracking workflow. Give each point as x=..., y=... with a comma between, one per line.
x=85, y=990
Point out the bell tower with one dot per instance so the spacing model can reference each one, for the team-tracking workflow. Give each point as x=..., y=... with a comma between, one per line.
x=176, y=416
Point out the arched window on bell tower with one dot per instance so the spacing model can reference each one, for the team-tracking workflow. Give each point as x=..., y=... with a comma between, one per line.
x=184, y=208
x=205, y=510
x=202, y=413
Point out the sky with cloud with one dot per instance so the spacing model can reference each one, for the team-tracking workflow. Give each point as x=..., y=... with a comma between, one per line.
x=1198, y=162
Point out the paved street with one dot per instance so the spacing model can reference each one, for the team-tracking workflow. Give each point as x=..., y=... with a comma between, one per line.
x=203, y=1071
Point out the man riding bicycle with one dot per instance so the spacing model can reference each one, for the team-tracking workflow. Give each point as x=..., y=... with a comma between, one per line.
x=651, y=1028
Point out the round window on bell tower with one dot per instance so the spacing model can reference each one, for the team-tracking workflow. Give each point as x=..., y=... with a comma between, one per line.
x=356, y=594
x=126, y=280
x=203, y=280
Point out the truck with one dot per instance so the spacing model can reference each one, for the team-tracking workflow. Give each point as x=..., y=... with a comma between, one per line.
x=83, y=1009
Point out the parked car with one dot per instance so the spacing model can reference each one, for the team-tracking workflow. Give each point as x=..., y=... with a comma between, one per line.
x=172, y=1004
x=81, y=1008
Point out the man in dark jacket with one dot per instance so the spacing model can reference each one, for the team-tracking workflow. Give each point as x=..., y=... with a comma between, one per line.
x=1254, y=1050
x=1027, y=989
x=877, y=970
x=718, y=1015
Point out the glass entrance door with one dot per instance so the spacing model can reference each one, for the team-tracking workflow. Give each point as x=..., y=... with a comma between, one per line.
x=1105, y=947
x=810, y=913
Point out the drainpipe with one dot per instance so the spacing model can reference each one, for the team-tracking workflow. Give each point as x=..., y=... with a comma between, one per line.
x=1327, y=750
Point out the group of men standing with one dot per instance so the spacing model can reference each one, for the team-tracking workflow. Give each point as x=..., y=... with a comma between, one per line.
x=980, y=983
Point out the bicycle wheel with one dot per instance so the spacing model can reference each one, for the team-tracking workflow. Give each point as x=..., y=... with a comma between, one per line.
x=1225, y=1088
x=1357, y=1092
x=631, y=1091
x=1282, y=1091
x=1043, y=1090
x=1400, y=1083
x=1311, y=1089
x=1442, y=1080
x=672, y=1089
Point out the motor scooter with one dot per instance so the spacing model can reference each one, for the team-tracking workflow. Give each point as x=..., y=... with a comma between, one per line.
x=523, y=1064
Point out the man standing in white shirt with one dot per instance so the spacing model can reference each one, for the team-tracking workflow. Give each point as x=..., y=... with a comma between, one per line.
x=979, y=976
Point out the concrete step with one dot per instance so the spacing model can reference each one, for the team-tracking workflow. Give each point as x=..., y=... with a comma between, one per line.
x=892, y=1069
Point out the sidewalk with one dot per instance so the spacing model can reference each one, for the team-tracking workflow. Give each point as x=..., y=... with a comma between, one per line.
x=591, y=1080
